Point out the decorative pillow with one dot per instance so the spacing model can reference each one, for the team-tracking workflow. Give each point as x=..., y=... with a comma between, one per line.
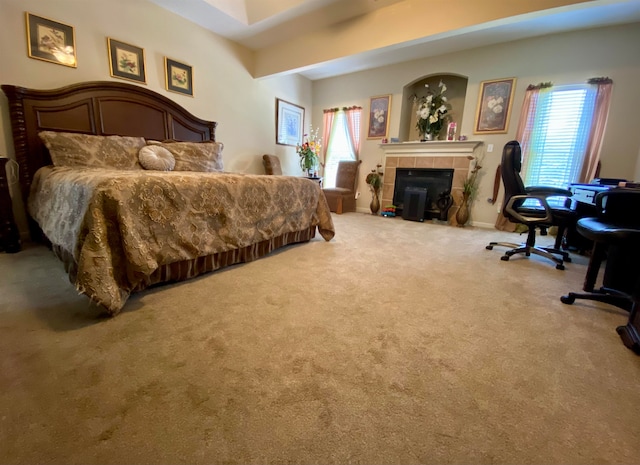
x=194, y=156
x=71, y=149
x=156, y=157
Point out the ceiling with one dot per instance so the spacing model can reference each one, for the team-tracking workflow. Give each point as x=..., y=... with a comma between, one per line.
x=258, y=24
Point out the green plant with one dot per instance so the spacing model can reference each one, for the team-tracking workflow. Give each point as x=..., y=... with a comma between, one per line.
x=309, y=151
x=374, y=179
x=470, y=185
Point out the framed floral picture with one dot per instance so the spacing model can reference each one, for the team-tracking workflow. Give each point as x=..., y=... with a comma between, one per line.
x=494, y=106
x=178, y=77
x=289, y=123
x=51, y=41
x=126, y=61
x=379, y=108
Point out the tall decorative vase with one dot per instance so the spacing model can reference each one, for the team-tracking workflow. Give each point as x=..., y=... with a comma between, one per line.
x=462, y=215
x=375, y=203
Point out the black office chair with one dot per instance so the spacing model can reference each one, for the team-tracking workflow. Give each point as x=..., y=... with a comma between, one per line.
x=540, y=215
x=615, y=233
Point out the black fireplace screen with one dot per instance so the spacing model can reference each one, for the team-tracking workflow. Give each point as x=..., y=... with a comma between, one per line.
x=437, y=181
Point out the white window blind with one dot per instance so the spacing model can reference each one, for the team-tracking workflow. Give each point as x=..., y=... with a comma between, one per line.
x=339, y=147
x=559, y=136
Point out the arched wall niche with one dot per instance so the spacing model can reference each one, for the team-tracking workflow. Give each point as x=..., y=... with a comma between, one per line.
x=456, y=92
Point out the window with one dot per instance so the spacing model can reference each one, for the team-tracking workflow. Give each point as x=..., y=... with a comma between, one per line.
x=559, y=134
x=339, y=146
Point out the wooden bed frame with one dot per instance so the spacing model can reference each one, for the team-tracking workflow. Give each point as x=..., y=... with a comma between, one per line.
x=112, y=108
x=99, y=108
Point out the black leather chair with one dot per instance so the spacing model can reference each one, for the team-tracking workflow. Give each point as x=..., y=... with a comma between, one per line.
x=540, y=215
x=615, y=233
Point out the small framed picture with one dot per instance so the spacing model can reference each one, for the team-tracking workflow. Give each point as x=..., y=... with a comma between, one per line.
x=379, y=108
x=289, y=123
x=178, y=77
x=126, y=61
x=51, y=41
x=494, y=106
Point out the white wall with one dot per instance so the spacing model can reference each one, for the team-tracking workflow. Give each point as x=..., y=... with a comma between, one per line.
x=562, y=59
x=224, y=89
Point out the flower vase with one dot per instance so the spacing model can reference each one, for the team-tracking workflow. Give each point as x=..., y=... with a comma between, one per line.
x=426, y=137
x=375, y=204
x=462, y=215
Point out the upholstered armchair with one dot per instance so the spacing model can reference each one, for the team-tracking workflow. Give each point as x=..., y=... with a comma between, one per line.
x=271, y=164
x=342, y=198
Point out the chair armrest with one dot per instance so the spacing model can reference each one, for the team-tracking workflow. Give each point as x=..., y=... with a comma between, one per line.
x=547, y=191
x=529, y=219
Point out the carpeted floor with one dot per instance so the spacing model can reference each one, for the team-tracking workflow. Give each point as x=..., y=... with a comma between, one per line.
x=396, y=343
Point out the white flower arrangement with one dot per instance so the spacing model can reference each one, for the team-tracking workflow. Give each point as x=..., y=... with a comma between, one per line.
x=432, y=111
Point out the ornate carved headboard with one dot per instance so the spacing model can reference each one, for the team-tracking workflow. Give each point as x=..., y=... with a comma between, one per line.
x=100, y=108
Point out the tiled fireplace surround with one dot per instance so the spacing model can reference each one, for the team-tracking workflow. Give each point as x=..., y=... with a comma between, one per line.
x=436, y=154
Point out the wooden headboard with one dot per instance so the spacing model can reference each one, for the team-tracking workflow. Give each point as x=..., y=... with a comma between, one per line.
x=100, y=108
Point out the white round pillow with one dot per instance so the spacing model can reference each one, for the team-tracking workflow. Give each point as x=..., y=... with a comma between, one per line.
x=156, y=157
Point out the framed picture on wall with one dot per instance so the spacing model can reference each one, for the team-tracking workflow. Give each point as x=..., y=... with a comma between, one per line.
x=126, y=61
x=51, y=41
x=178, y=77
x=379, y=108
x=289, y=123
x=494, y=106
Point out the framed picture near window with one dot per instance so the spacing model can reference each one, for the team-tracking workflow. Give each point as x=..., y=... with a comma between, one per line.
x=126, y=61
x=178, y=77
x=379, y=108
x=289, y=123
x=494, y=106
x=51, y=41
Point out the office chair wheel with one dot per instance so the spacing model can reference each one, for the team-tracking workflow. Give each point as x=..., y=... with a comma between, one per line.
x=559, y=267
x=505, y=258
x=568, y=299
x=489, y=247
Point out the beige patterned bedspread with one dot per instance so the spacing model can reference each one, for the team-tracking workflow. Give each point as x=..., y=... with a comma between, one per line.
x=120, y=226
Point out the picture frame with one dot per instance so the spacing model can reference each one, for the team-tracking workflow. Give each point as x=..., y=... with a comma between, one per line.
x=379, y=108
x=126, y=61
x=178, y=77
x=51, y=41
x=494, y=106
x=289, y=123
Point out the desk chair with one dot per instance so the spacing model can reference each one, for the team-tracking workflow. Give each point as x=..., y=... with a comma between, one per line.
x=342, y=198
x=615, y=233
x=541, y=215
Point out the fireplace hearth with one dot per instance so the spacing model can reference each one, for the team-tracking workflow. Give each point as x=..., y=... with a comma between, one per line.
x=437, y=182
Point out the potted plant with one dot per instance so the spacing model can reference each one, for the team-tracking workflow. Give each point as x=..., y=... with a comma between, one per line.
x=469, y=191
x=309, y=153
x=432, y=113
x=374, y=179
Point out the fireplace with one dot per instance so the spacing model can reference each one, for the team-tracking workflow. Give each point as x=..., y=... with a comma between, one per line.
x=436, y=181
x=435, y=155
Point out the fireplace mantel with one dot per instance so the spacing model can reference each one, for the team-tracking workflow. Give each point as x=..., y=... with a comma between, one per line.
x=438, y=148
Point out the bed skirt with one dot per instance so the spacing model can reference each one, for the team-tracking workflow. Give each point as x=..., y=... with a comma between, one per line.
x=186, y=269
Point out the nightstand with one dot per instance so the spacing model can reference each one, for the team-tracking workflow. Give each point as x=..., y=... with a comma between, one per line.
x=9, y=238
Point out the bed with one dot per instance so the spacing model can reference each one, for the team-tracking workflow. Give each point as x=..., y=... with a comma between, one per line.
x=119, y=227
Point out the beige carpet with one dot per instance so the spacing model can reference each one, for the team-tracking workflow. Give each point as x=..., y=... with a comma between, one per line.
x=396, y=343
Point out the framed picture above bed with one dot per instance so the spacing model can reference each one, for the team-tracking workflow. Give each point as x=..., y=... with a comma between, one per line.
x=126, y=61
x=178, y=77
x=289, y=123
x=51, y=41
